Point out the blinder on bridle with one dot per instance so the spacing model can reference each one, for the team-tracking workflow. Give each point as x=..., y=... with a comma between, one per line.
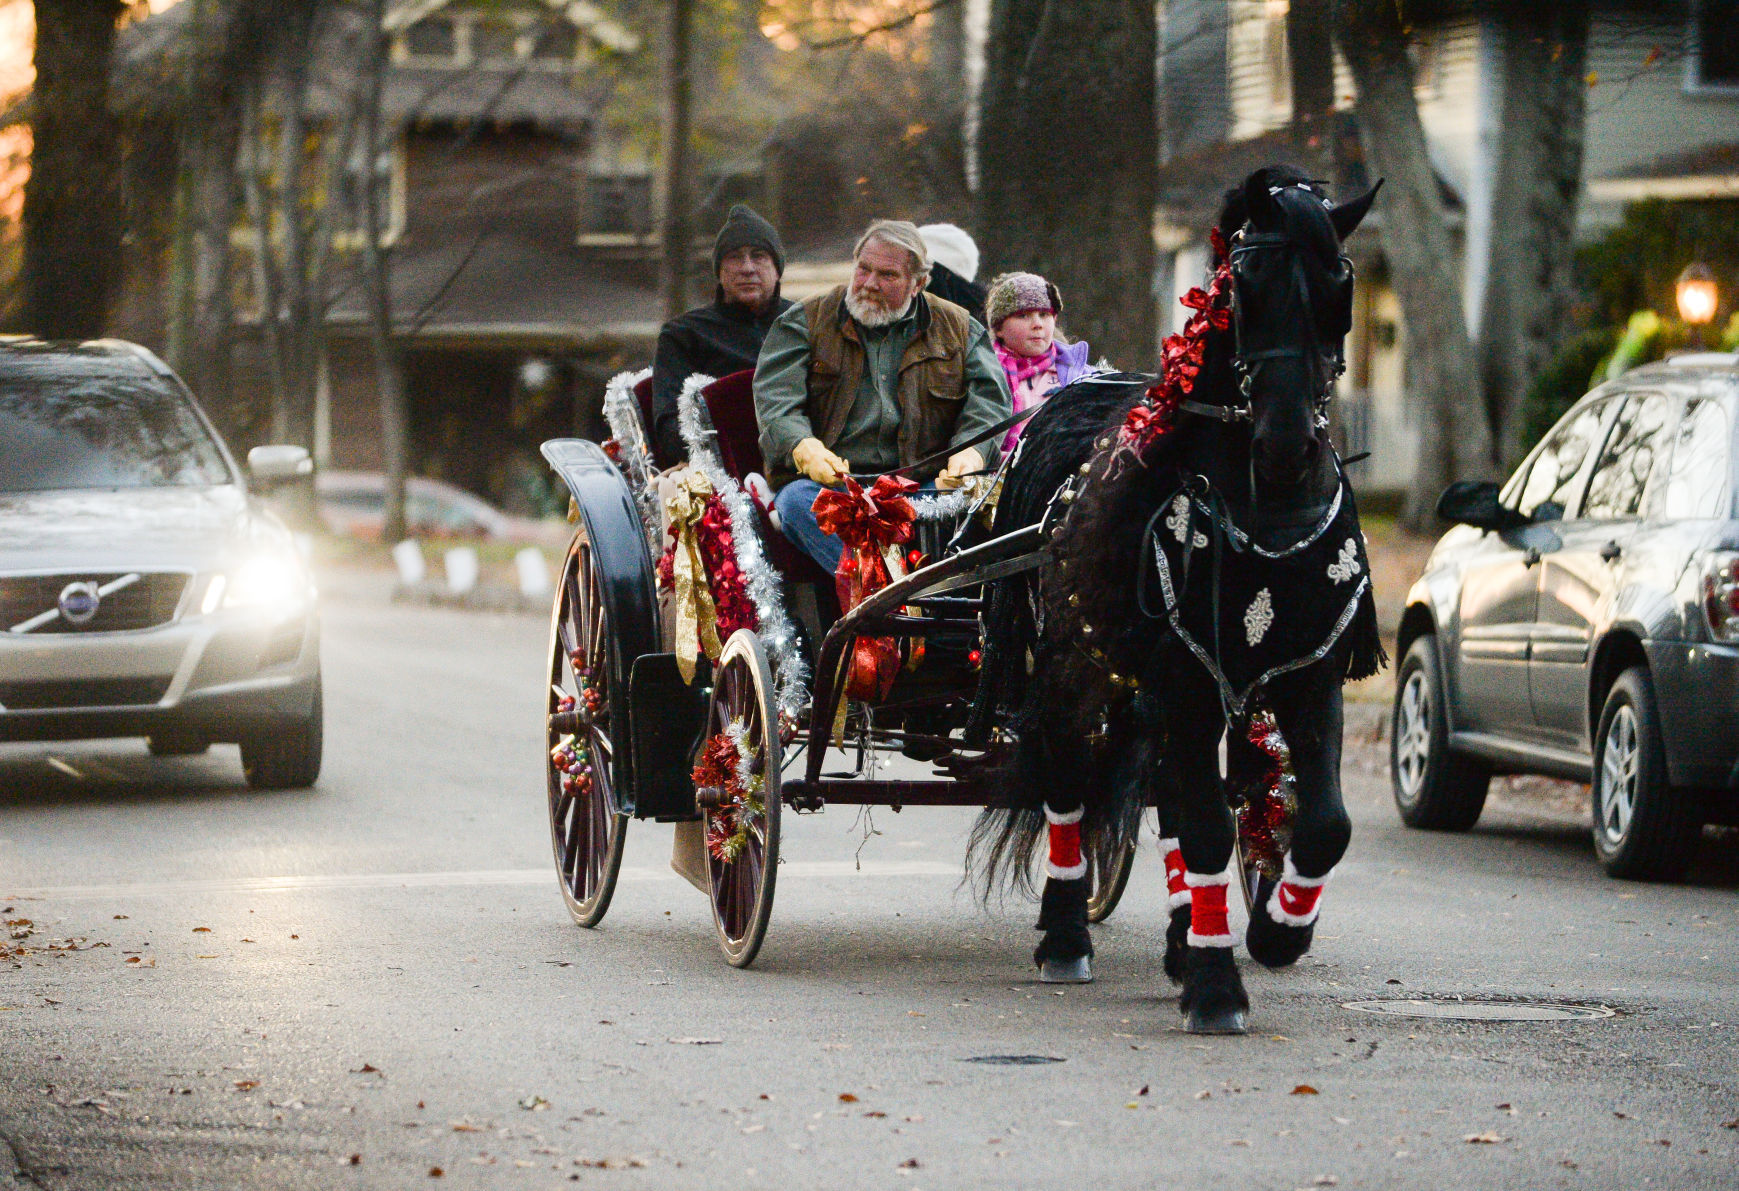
x=1327, y=321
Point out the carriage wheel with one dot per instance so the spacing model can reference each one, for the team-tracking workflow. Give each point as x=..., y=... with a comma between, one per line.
x=587, y=829
x=1109, y=874
x=741, y=801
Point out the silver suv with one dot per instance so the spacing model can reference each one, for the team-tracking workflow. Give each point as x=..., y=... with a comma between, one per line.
x=143, y=591
x=1583, y=622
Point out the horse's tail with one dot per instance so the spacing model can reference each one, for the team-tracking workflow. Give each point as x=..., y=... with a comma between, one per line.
x=1112, y=781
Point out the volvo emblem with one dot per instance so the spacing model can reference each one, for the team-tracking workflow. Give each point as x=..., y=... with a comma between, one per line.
x=79, y=602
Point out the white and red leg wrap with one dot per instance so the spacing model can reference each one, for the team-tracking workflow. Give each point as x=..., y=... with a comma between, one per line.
x=1178, y=894
x=1065, y=861
x=1297, y=900
x=1208, y=923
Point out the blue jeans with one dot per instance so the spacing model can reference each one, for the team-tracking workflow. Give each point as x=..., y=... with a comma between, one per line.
x=795, y=503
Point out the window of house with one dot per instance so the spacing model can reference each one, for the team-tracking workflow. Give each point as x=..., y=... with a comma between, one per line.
x=1640, y=436
x=494, y=41
x=432, y=37
x=1715, y=35
x=618, y=204
x=1556, y=471
x=1697, y=484
x=555, y=42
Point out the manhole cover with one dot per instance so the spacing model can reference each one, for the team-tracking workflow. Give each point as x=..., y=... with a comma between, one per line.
x=1483, y=1010
x=1014, y=1060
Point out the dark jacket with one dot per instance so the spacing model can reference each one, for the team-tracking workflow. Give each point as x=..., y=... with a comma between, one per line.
x=947, y=284
x=714, y=341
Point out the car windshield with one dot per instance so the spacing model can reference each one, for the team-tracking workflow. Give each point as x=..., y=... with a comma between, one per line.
x=61, y=430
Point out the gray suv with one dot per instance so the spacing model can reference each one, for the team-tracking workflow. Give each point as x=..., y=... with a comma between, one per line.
x=1582, y=622
x=144, y=591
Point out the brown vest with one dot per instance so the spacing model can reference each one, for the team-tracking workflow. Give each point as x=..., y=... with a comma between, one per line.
x=932, y=384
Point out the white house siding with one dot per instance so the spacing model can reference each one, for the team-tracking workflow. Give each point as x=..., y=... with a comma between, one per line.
x=1640, y=112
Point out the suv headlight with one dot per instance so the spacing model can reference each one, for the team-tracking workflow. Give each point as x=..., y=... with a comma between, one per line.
x=1721, y=595
x=267, y=582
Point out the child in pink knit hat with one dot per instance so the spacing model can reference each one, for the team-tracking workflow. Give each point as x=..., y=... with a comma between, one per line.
x=1021, y=310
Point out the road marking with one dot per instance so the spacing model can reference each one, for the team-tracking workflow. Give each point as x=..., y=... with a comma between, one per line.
x=792, y=870
x=57, y=763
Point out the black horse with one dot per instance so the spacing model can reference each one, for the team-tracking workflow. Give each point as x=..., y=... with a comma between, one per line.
x=1205, y=558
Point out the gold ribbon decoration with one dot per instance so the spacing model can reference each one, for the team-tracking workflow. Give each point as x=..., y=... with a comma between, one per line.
x=696, y=615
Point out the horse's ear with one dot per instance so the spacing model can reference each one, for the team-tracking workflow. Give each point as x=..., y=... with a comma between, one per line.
x=1348, y=215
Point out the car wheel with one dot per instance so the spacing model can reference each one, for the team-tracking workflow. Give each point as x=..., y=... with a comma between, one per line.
x=1435, y=788
x=1644, y=829
x=287, y=756
x=176, y=744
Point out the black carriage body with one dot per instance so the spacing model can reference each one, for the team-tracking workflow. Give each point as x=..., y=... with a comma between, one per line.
x=663, y=714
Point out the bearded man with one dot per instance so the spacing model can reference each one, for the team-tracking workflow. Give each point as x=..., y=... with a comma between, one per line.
x=724, y=337
x=872, y=377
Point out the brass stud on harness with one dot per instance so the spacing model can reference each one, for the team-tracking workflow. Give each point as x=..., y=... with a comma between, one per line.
x=1075, y=599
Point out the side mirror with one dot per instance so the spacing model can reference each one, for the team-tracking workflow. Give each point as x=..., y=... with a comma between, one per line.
x=1476, y=503
x=271, y=466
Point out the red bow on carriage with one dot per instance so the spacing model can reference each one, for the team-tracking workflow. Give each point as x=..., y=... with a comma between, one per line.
x=871, y=523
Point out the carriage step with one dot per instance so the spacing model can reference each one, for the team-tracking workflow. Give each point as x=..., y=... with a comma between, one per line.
x=1066, y=971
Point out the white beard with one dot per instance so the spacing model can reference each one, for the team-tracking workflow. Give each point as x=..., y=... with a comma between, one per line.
x=870, y=312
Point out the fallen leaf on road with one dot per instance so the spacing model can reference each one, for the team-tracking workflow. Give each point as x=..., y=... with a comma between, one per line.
x=368, y=1069
x=754, y=1128
x=909, y=1164
x=436, y=1172
x=1305, y=1089
x=1204, y=1095
x=247, y=940
x=465, y=1127
x=1623, y=1116
x=1238, y=1141
x=202, y=930
x=875, y=1114
x=1732, y=1124
x=1661, y=1141
x=120, y=917
x=696, y=1041
x=143, y=963
x=534, y=1104
x=1484, y=1139
x=1142, y=1090
x=1340, y=1120
x=246, y=1085
x=207, y=957
x=847, y=1098
x=1326, y=1180
x=353, y=1160
x=915, y=1118
x=50, y=1001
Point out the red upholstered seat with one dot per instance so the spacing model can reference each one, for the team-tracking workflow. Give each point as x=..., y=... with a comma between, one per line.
x=643, y=395
x=730, y=403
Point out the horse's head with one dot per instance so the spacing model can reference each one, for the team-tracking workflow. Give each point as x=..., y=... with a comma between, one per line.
x=1292, y=301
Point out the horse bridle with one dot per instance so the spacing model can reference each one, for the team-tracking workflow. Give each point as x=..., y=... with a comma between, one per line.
x=1247, y=363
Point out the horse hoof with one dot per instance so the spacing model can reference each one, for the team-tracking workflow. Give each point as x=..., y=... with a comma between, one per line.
x=1066, y=971
x=1274, y=944
x=1225, y=1021
x=1177, y=944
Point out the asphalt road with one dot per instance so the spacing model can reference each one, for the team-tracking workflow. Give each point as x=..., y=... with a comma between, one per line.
x=375, y=981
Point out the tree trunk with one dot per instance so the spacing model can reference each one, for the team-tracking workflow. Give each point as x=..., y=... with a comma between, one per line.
x=388, y=365
x=72, y=217
x=1310, y=51
x=673, y=172
x=1067, y=150
x=1454, y=442
x=209, y=151
x=1538, y=180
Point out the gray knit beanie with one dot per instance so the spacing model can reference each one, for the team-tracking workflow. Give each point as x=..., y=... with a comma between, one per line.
x=1012, y=293
x=745, y=229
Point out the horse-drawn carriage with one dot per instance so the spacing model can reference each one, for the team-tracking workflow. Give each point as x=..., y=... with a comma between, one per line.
x=1175, y=562
x=726, y=750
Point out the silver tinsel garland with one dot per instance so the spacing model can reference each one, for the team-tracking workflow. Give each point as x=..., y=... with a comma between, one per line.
x=760, y=579
x=622, y=415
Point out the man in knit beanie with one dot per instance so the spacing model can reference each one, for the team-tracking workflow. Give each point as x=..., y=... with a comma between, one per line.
x=725, y=336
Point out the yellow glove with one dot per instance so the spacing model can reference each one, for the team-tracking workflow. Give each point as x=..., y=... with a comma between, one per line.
x=960, y=465
x=814, y=460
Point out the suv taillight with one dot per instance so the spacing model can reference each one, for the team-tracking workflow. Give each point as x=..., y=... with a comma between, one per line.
x=1721, y=596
